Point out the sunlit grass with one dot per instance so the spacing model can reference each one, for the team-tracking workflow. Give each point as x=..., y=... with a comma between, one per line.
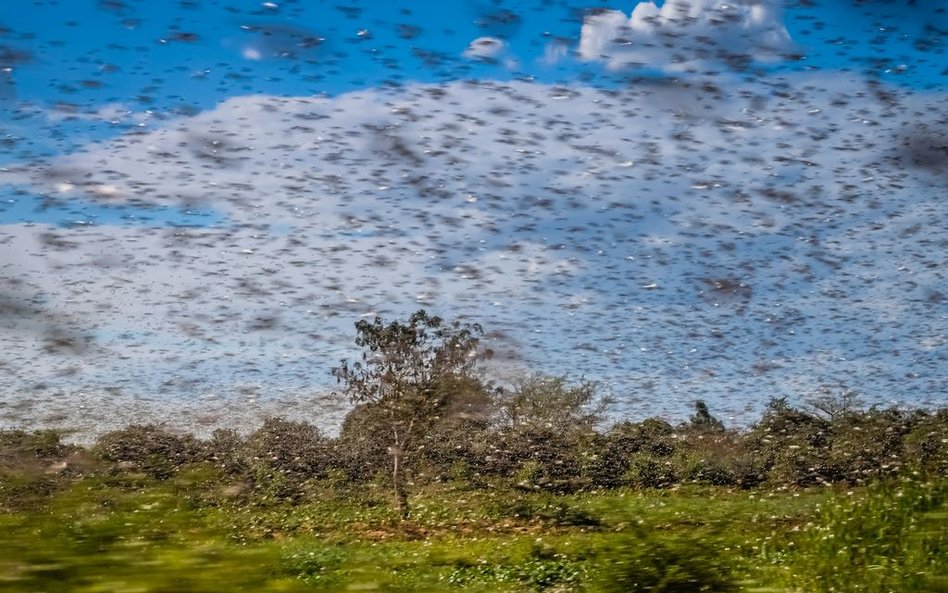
x=204, y=530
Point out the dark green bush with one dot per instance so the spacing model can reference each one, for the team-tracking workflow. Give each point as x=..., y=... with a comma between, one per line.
x=361, y=450
x=613, y=452
x=38, y=444
x=453, y=450
x=709, y=455
x=149, y=448
x=225, y=450
x=545, y=508
x=649, y=471
x=538, y=458
x=867, y=444
x=283, y=454
x=655, y=565
x=926, y=444
x=791, y=445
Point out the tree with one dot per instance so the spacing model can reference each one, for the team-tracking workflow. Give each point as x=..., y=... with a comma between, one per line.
x=834, y=402
x=541, y=401
x=703, y=419
x=410, y=374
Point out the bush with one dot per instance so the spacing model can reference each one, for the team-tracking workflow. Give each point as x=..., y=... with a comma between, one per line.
x=716, y=457
x=39, y=444
x=664, y=566
x=149, y=448
x=546, y=508
x=926, y=444
x=613, y=452
x=634, y=454
x=538, y=458
x=451, y=451
x=360, y=451
x=791, y=445
x=283, y=454
x=648, y=471
x=224, y=450
x=35, y=465
x=867, y=444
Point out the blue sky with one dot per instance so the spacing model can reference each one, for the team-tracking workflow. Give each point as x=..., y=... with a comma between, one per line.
x=735, y=201
x=167, y=55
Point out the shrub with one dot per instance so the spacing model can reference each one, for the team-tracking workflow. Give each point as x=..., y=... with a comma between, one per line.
x=867, y=444
x=283, y=454
x=613, y=453
x=224, y=449
x=39, y=444
x=926, y=443
x=791, y=445
x=543, y=402
x=451, y=451
x=360, y=451
x=658, y=436
x=648, y=471
x=647, y=564
x=34, y=465
x=546, y=508
x=716, y=457
x=538, y=458
x=149, y=448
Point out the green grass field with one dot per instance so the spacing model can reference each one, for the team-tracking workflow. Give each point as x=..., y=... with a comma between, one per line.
x=202, y=531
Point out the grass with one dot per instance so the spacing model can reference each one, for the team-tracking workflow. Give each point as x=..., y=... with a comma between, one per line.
x=198, y=532
x=156, y=513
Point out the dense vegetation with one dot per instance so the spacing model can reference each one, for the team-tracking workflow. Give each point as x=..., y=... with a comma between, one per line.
x=515, y=489
x=798, y=502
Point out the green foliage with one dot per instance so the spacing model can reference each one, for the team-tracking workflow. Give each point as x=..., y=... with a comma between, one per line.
x=282, y=455
x=791, y=444
x=409, y=369
x=671, y=565
x=119, y=531
x=538, y=457
x=542, y=569
x=411, y=374
x=541, y=402
x=648, y=471
x=926, y=443
x=225, y=450
x=824, y=498
x=361, y=450
x=547, y=509
x=891, y=537
x=95, y=537
x=149, y=448
x=867, y=445
x=40, y=444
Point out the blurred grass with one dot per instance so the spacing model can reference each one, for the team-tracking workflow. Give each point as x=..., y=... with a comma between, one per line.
x=203, y=531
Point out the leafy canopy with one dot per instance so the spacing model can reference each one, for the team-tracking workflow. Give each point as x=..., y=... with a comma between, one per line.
x=409, y=369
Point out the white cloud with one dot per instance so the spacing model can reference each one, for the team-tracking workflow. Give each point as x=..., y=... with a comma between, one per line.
x=492, y=50
x=686, y=35
x=485, y=48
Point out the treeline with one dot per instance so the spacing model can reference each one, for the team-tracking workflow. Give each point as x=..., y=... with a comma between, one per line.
x=542, y=436
x=421, y=415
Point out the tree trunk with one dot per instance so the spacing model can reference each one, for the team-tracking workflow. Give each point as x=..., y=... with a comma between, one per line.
x=401, y=495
